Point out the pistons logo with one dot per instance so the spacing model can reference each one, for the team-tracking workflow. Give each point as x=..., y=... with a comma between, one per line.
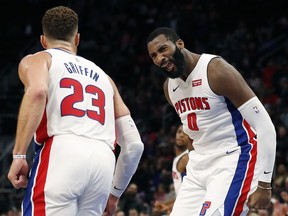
x=197, y=82
x=206, y=205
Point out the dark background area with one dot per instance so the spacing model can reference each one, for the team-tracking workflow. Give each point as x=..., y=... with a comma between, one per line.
x=251, y=35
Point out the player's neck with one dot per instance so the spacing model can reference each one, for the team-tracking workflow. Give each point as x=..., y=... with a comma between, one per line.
x=65, y=46
x=192, y=60
x=66, y=49
x=178, y=151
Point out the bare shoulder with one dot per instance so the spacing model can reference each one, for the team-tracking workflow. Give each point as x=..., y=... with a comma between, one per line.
x=120, y=108
x=42, y=59
x=41, y=56
x=221, y=70
x=113, y=84
x=165, y=89
x=181, y=165
x=34, y=67
x=165, y=85
x=225, y=80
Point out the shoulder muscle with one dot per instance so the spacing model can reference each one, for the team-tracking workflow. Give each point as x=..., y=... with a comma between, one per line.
x=165, y=88
x=33, y=69
x=225, y=80
x=120, y=107
x=181, y=165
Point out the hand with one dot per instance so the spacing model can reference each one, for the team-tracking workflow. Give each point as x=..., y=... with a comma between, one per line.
x=279, y=209
x=159, y=206
x=260, y=199
x=18, y=173
x=111, y=205
x=284, y=196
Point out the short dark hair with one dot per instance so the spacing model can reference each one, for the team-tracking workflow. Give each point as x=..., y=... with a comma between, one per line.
x=169, y=33
x=60, y=23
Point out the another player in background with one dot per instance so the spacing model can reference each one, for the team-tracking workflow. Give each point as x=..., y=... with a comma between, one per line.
x=182, y=146
x=234, y=139
x=72, y=108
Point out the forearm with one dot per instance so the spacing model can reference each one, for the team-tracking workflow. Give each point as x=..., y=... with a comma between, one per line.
x=256, y=115
x=131, y=151
x=125, y=168
x=266, y=153
x=29, y=117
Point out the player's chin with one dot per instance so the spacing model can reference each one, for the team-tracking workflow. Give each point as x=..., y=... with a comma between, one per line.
x=179, y=141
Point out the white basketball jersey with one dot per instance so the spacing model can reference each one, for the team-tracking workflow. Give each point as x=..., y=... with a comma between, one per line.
x=80, y=100
x=176, y=175
x=212, y=121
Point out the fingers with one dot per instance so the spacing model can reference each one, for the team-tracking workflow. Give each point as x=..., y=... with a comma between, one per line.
x=20, y=182
x=23, y=181
x=105, y=213
x=18, y=173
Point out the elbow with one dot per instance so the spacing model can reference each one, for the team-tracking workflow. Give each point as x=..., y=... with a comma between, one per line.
x=132, y=152
x=267, y=134
x=141, y=147
x=37, y=94
x=271, y=131
x=137, y=148
x=274, y=132
x=40, y=95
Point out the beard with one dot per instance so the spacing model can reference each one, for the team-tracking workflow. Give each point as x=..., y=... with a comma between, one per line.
x=179, y=61
x=181, y=147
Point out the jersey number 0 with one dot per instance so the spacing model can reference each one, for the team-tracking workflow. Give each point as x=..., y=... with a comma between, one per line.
x=192, y=121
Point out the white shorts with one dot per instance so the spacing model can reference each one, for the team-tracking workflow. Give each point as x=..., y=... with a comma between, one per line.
x=218, y=183
x=70, y=176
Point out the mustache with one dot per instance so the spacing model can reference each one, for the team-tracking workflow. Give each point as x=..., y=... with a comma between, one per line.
x=178, y=60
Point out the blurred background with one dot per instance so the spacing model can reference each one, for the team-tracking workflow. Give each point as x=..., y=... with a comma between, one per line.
x=251, y=35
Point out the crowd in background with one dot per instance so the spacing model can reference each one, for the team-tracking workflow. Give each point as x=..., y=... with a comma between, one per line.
x=252, y=35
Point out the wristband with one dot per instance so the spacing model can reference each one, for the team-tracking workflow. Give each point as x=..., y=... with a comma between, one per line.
x=16, y=156
x=264, y=188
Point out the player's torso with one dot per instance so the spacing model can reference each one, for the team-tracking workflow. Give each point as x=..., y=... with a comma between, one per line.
x=80, y=99
x=207, y=118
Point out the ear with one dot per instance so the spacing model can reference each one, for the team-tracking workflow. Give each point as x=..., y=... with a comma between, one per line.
x=43, y=41
x=180, y=44
x=77, y=39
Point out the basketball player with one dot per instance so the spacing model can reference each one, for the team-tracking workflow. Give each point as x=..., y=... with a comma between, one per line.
x=234, y=139
x=182, y=146
x=72, y=108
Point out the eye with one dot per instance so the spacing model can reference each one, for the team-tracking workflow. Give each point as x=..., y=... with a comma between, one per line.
x=153, y=56
x=162, y=49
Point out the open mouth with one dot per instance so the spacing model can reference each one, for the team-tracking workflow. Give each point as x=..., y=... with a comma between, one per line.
x=168, y=66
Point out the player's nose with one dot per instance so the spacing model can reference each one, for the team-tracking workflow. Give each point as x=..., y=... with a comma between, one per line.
x=159, y=60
